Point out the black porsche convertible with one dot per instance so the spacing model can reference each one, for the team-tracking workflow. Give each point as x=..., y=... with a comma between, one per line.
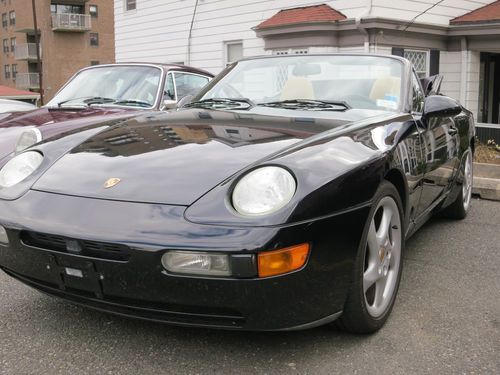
x=279, y=198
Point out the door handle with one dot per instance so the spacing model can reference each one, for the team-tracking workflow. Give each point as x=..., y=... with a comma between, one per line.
x=452, y=130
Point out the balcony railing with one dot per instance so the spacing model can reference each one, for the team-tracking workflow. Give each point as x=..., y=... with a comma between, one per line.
x=26, y=51
x=27, y=81
x=71, y=22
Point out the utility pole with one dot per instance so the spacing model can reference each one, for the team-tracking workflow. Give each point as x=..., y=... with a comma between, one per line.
x=191, y=33
x=37, y=46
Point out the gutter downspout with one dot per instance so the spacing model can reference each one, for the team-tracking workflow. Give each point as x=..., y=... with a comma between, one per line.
x=188, y=62
x=362, y=29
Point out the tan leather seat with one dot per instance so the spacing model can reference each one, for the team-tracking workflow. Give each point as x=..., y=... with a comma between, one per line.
x=297, y=88
x=390, y=86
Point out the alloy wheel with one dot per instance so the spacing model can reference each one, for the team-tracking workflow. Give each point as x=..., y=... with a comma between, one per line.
x=382, y=257
x=467, y=184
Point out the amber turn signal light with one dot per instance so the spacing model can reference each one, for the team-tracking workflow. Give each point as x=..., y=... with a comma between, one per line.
x=282, y=261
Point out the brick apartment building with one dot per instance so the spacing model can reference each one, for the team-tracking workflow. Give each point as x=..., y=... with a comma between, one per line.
x=73, y=34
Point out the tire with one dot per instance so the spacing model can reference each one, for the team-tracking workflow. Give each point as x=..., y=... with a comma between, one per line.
x=378, y=265
x=459, y=208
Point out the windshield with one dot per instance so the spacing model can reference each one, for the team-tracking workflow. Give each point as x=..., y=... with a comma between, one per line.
x=135, y=86
x=367, y=82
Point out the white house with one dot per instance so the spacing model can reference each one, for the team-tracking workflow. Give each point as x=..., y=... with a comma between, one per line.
x=457, y=38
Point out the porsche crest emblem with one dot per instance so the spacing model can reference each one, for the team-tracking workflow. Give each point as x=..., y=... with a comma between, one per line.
x=111, y=182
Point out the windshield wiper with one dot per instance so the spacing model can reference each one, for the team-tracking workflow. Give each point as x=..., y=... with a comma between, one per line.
x=309, y=104
x=141, y=103
x=227, y=103
x=88, y=100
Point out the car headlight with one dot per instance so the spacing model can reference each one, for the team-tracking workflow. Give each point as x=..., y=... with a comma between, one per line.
x=19, y=168
x=27, y=139
x=263, y=191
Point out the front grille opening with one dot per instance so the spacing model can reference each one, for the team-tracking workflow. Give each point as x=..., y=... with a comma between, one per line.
x=61, y=244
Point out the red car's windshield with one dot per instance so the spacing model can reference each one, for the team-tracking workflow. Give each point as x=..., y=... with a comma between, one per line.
x=136, y=86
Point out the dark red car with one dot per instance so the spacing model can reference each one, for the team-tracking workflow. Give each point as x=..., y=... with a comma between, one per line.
x=114, y=91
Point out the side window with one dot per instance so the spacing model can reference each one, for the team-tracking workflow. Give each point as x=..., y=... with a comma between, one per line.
x=418, y=95
x=189, y=84
x=169, y=87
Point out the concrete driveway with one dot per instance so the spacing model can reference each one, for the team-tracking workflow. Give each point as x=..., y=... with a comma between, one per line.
x=446, y=321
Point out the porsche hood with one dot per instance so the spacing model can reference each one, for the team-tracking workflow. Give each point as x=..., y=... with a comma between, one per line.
x=175, y=158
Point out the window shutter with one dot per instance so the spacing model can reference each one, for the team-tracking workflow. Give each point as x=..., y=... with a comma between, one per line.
x=434, y=62
x=398, y=51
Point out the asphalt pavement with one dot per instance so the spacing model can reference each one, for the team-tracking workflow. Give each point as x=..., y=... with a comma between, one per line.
x=446, y=321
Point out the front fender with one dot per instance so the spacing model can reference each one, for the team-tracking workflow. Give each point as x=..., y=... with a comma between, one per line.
x=334, y=174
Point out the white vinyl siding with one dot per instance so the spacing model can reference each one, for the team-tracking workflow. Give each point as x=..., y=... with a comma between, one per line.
x=472, y=87
x=158, y=30
x=450, y=69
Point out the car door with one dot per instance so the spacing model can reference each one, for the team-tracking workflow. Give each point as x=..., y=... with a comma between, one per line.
x=439, y=147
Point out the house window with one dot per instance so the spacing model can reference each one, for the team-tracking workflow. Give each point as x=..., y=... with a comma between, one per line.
x=233, y=52
x=420, y=61
x=94, y=39
x=12, y=16
x=6, y=70
x=12, y=44
x=93, y=10
x=14, y=71
x=65, y=9
x=94, y=62
x=130, y=4
x=5, y=22
x=6, y=46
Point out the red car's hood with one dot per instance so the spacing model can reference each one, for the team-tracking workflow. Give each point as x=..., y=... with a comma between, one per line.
x=53, y=121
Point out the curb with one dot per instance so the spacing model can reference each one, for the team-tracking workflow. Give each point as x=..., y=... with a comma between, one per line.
x=486, y=181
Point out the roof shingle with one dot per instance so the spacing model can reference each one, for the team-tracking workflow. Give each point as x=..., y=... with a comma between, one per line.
x=308, y=14
x=487, y=13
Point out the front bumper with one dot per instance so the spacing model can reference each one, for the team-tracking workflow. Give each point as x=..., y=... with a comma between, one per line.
x=136, y=284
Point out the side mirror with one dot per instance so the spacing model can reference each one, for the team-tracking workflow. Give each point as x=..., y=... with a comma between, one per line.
x=440, y=106
x=169, y=104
